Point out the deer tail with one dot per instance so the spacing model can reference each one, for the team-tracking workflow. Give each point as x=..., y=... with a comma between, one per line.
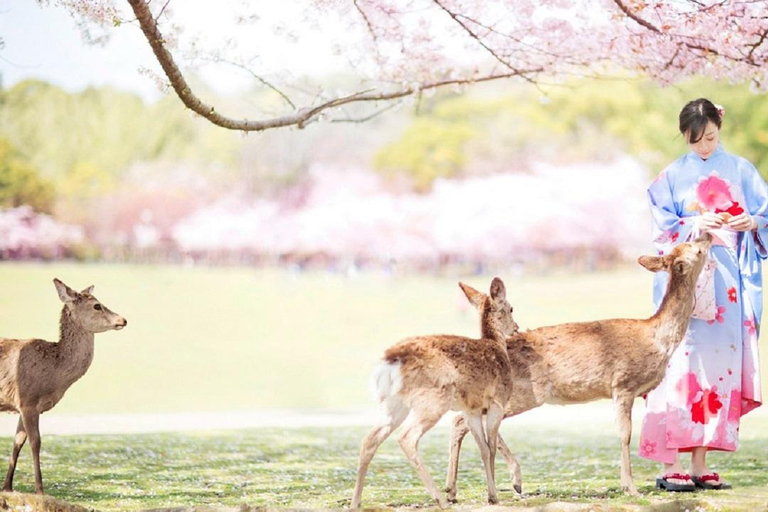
x=386, y=380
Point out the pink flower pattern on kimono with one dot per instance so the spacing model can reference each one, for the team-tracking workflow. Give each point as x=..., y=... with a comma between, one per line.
x=751, y=327
x=718, y=316
x=706, y=407
x=688, y=430
x=714, y=194
x=689, y=388
x=647, y=447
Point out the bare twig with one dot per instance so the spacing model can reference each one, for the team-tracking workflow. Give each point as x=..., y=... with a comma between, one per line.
x=258, y=78
x=367, y=21
x=162, y=10
x=368, y=117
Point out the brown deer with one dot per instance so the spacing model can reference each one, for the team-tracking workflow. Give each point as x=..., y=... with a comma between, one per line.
x=35, y=374
x=580, y=362
x=423, y=377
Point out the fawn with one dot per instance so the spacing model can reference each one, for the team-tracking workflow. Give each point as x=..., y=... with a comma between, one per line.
x=423, y=377
x=35, y=374
x=581, y=362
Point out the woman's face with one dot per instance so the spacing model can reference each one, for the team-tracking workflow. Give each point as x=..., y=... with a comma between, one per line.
x=706, y=145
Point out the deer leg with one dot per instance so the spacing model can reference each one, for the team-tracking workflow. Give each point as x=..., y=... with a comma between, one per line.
x=371, y=443
x=459, y=429
x=514, y=466
x=18, y=442
x=417, y=425
x=475, y=423
x=492, y=423
x=624, y=417
x=31, y=420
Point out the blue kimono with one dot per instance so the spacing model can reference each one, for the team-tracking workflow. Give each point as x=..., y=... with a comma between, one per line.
x=713, y=378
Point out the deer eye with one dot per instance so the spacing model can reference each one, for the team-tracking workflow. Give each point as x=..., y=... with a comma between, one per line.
x=97, y=307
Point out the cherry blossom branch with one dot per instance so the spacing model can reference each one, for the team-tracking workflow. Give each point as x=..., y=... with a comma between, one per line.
x=637, y=19
x=299, y=118
x=477, y=38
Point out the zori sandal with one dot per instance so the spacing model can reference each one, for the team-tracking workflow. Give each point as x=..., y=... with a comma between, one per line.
x=710, y=481
x=665, y=484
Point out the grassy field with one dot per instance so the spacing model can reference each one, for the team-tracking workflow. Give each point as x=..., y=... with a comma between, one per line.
x=201, y=339
x=315, y=468
x=243, y=339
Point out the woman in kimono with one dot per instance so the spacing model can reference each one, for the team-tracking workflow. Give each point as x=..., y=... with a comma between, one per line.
x=713, y=377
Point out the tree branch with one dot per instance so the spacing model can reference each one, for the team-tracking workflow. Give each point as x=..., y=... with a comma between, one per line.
x=635, y=17
x=477, y=38
x=367, y=21
x=303, y=115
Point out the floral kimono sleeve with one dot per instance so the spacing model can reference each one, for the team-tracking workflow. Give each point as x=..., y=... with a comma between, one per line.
x=669, y=227
x=756, y=197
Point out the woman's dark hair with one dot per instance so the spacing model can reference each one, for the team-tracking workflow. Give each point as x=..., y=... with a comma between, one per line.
x=695, y=116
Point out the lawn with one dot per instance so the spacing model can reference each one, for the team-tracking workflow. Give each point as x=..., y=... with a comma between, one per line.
x=202, y=339
x=315, y=468
x=240, y=339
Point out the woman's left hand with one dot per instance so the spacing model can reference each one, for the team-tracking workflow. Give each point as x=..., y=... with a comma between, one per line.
x=742, y=222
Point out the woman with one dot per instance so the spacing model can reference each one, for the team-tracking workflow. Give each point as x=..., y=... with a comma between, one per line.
x=713, y=377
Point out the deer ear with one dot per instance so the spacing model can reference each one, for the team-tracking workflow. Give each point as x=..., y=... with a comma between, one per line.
x=88, y=290
x=474, y=296
x=498, y=290
x=655, y=263
x=66, y=294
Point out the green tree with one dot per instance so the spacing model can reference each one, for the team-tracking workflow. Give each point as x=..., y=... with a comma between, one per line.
x=19, y=182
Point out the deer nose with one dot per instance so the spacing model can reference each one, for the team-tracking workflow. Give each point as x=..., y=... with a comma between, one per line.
x=122, y=322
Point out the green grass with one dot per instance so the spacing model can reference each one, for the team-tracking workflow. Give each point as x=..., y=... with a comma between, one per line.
x=204, y=339
x=315, y=468
x=201, y=339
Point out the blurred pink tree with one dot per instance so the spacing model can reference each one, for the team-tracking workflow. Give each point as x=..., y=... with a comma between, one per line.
x=404, y=48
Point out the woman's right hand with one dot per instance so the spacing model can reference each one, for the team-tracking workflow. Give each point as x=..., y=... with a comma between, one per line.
x=708, y=220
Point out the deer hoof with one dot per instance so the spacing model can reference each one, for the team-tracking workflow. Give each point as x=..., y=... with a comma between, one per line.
x=493, y=500
x=518, y=489
x=442, y=503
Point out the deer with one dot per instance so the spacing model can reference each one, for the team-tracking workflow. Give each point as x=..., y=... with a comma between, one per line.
x=421, y=378
x=576, y=363
x=35, y=374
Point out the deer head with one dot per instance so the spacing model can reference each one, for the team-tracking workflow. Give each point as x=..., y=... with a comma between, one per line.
x=494, y=309
x=685, y=261
x=86, y=310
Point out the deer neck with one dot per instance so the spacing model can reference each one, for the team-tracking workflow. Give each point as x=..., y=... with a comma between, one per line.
x=489, y=329
x=75, y=348
x=674, y=313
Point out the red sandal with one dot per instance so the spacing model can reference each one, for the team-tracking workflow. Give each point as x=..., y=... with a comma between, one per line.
x=703, y=482
x=665, y=484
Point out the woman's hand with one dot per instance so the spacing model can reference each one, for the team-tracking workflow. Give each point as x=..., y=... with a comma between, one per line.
x=742, y=222
x=709, y=220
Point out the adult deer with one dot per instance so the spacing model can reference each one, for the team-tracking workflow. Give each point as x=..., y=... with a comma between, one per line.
x=580, y=362
x=35, y=374
x=423, y=377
